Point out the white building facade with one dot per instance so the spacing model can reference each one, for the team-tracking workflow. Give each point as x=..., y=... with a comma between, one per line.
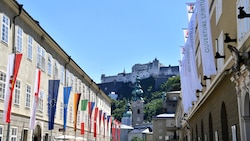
x=23, y=34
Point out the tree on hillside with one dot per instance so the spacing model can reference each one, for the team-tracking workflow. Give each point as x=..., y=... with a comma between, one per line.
x=172, y=84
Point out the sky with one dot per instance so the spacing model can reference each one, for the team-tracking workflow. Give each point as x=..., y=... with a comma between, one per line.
x=110, y=36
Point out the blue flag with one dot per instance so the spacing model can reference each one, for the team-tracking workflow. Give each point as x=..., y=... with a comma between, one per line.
x=52, y=99
x=66, y=93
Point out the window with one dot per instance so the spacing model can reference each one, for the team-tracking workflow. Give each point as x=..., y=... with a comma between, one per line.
x=61, y=110
x=75, y=84
x=2, y=84
x=5, y=29
x=55, y=70
x=19, y=39
x=70, y=114
x=72, y=81
x=30, y=47
x=40, y=58
x=218, y=10
x=1, y=133
x=28, y=95
x=62, y=75
x=13, y=134
x=78, y=118
x=17, y=92
x=40, y=102
x=49, y=65
x=67, y=77
x=220, y=50
x=243, y=25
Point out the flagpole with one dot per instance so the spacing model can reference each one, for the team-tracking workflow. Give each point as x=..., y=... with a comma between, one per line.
x=13, y=51
x=66, y=85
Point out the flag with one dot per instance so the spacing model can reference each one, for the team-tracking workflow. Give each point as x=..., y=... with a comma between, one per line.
x=52, y=100
x=66, y=93
x=207, y=53
x=77, y=97
x=35, y=99
x=190, y=9
x=119, y=130
x=84, y=104
x=91, y=106
x=100, y=120
x=95, y=122
x=14, y=61
x=82, y=128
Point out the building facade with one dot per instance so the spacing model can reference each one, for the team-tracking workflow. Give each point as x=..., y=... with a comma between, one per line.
x=20, y=33
x=221, y=111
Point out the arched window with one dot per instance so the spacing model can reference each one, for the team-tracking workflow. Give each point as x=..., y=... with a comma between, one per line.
x=224, y=122
x=211, y=135
x=138, y=111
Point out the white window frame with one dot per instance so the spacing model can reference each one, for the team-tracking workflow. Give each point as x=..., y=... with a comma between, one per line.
x=2, y=84
x=30, y=47
x=5, y=28
x=218, y=10
x=55, y=69
x=243, y=25
x=67, y=77
x=28, y=96
x=220, y=50
x=13, y=133
x=70, y=114
x=61, y=110
x=1, y=132
x=50, y=70
x=19, y=39
x=17, y=92
x=40, y=102
x=62, y=75
x=76, y=84
x=41, y=58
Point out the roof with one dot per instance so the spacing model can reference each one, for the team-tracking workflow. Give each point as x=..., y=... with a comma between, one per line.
x=165, y=116
x=123, y=126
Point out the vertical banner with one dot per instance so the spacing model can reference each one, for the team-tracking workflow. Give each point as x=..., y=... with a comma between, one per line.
x=95, y=121
x=13, y=65
x=207, y=53
x=77, y=97
x=66, y=93
x=190, y=10
x=82, y=128
x=91, y=106
x=52, y=100
x=100, y=120
x=35, y=99
x=185, y=34
x=84, y=104
x=119, y=131
x=103, y=120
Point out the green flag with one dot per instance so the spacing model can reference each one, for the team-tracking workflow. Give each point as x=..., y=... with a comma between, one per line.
x=84, y=104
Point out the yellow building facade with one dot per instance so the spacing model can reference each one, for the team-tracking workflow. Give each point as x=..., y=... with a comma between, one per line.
x=221, y=111
x=20, y=33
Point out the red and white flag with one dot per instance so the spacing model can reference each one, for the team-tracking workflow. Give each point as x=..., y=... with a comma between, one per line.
x=35, y=99
x=14, y=61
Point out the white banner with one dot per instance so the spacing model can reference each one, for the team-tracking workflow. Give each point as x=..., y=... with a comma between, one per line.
x=207, y=53
x=190, y=9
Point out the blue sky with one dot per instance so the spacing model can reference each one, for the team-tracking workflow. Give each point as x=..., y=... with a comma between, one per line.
x=108, y=36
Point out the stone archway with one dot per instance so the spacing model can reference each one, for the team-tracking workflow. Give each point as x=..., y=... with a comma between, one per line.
x=37, y=133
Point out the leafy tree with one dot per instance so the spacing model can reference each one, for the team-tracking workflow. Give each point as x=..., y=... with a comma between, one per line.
x=172, y=84
x=118, y=107
x=136, y=139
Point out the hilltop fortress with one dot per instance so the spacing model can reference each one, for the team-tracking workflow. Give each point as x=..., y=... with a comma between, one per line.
x=154, y=69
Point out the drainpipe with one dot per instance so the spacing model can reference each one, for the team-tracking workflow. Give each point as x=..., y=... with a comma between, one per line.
x=20, y=7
